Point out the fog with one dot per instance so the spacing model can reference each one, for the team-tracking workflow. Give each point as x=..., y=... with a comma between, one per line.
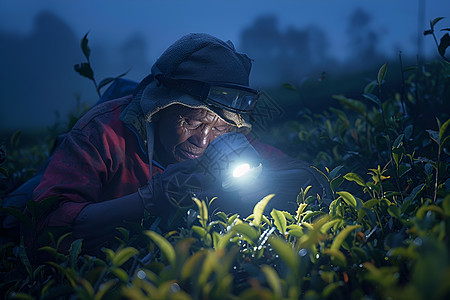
x=38, y=83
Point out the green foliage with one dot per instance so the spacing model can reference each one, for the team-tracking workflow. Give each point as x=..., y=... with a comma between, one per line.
x=384, y=234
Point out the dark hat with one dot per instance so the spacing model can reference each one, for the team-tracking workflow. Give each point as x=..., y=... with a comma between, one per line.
x=201, y=57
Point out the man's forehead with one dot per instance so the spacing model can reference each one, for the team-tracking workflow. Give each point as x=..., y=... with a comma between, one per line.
x=197, y=113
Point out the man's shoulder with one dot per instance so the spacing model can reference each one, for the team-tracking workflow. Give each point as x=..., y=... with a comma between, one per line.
x=106, y=113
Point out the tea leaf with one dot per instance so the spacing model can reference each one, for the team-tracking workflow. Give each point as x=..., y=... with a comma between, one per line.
x=382, y=74
x=355, y=105
x=433, y=22
x=104, y=287
x=285, y=251
x=163, y=244
x=84, y=69
x=423, y=209
x=123, y=255
x=24, y=258
x=84, y=46
x=334, y=172
x=443, y=129
x=120, y=273
x=289, y=86
x=339, y=239
x=192, y=263
x=279, y=220
x=348, y=198
x=373, y=98
x=203, y=211
x=444, y=44
x=273, y=279
x=258, y=209
x=329, y=289
x=408, y=132
x=337, y=256
x=446, y=205
x=355, y=177
x=15, y=138
x=371, y=203
x=74, y=251
x=246, y=231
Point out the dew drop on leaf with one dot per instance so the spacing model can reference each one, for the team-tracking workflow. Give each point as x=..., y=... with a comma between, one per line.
x=418, y=241
x=141, y=274
x=302, y=252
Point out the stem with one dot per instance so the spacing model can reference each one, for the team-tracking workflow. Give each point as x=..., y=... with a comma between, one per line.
x=403, y=84
x=437, y=174
x=93, y=79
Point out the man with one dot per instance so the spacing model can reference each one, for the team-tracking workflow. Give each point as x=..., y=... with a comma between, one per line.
x=135, y=153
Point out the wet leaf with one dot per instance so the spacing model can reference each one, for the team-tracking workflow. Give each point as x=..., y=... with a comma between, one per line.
x=373, y=98
x=15, y=138
x=122, y=255
x=285, y=251
x=434, y=135
x=120, y=273
x=192, y=264
x=395, y=212
x=355, y=177
x=335, y=172
x=382, y=74
x=163, y=244
x=339, y=239
x=330, y=288
x=203, y=212
x=424, y=209
x=368, y=89
x=398, y=141
x=105, y=82
x=74, y=251
x=348, y=198
x=84, y=69
x=273, y=279
x=352, y=104
x=443, y=129
x=433, y=22
x=337, y=256
x=24, y=258
x=84, y=46
x=247, y=232
x=446, y=205
x=408, y=132
x=289, y=86
x=444, y=44
x=258, y=209
x=371, y=203
x=279, y=220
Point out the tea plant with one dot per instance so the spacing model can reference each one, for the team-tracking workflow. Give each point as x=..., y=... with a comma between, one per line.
x=384, y=235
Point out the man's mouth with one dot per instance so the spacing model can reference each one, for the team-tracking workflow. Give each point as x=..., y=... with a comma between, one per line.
x=187, y=154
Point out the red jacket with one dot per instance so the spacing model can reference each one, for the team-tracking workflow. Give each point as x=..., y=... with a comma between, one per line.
x=100, y=159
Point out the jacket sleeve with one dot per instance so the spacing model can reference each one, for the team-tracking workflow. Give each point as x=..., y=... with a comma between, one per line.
x=287, y=176
x=75, y=175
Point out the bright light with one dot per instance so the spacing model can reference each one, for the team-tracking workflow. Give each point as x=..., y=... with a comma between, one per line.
x=241, y=170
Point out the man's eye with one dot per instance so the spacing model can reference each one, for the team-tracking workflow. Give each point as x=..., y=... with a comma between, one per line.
x=190, y=124
x=221, y=128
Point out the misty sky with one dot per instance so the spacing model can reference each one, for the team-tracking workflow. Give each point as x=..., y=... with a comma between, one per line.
x=113, y=24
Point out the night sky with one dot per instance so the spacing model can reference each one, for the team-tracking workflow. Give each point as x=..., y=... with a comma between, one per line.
x=39, y=40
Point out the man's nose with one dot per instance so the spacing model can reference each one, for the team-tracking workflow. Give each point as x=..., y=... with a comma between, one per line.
x=202, y=137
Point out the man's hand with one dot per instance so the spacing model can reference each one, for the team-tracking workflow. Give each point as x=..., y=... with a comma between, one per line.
x=177, y=184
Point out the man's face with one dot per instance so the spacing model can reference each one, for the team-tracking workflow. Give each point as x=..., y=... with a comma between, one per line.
x=185, y=133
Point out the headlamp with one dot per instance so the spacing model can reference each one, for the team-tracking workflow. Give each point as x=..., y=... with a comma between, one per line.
x=230, y=96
